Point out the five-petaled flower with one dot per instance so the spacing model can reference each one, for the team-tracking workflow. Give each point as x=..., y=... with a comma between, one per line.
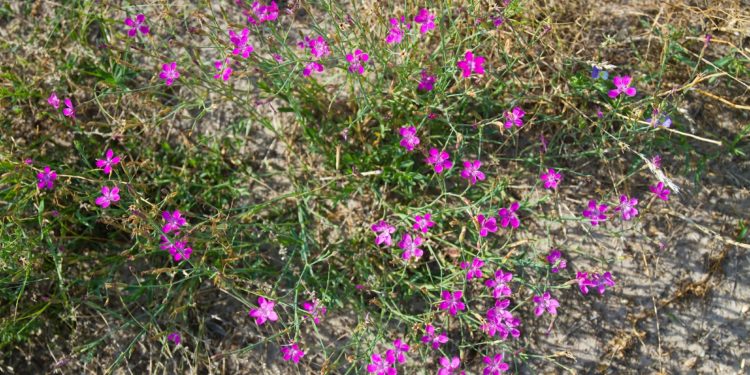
x=312, y=67
x=501, y=322
x=108, y=196
x=174, y=337
x=318, y=46
x=409, y=138
x=395, y=33
x=601, y=282
x=622, y=86
x=263, y=13
x=383, y=232
x=224, y=69
x=315, y=308
x=410, y=245
x=449, y=366
x=440, y=160
x=427, y=82
x=242, y=46
x=69, y=110
x=452, y=301
x=596, y=214
x=556, y=260
x=514, y=117
x=545, y=302
x=473, y=269
x=500, y=283
x=179, y=250
x=471, y=171
x=626, y=208
x=495, y=365
x=137, y=25
x=356, y=61
x=471, y=64
x=172, y=221
x=432, y=338
x=486, y=225
x=423, y=223
x=292, y=352
x=109, y=160
x=53, y=100
x=551, y=179
x=169, y=73
x=46, y=179
x=660, y=191
x=381, y=366
x=584, y=282
x=508, y=216
x=426, y=19
x=400, y=348
x=264, y=311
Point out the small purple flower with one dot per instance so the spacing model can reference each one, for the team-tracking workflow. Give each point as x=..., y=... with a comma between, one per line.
x=597, y=73
x=409, y=138
x=660, y=191
x=426, y=19
x=601, y=282
x=707, y=40
x=318, y=46
x=597, y=214
x=169, y=73
x=495, y=365
x=312, y=67
x=292, y=352
x=508, y=216
x=137, y=25
x=431, y=338
x=449, y=366
x=315, y=308
x=69, y=110
x=380, y=366
x=473, y=269
x=545, y=302
x=452, y=301
x=500, y=321
x=224, y=69
x=410, y=246
x=440, y=160
x=659, y=119
x=500, y=283
x=471, y=64
x=53, y=100
x=471, y=171
x=264, y=311
x=656, y=161
x=627, y=207
x=356, y=61
x=514, y=117
x=584, y=282
x=622, y=86
x=109, y=160
x=241, y=45
x=427, y=82
x=556, y=261
x=263, y=13
x=108, y=196
x=551, y=179
x=497, y=21
x=486, y=225
x=383, y=232
x=179, y=250
x=172, y=221
x=395, y=33
x=423, y=223
x=174, y=337
x=400, y=348
x=46, y=179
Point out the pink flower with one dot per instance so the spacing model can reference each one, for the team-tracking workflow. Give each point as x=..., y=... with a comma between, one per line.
x=426, y=19
x=356, y=60
x=400, y=348
x=108, y=196
x=383, y=232
x=627, y=207
x=473, y=270
x=311, y=68
x=555, y=259
x=495, y=365
x=241, y=45
x=137, y=25
x=179, y=250
x=224, y=69
x=508, y=216
x=440, y=160
x=69, y=111
x=169, y=73
x=471, y=171
x=500, y=321
x=432, y=338
x=172, y=221
x=551, y=179
x=601, y=282
x=423, y=223
x=486, y=225
x=263, y=13
x=545, y=302
x=514, y=117
x=107, y=163
x=53, y=100
x=315, y=308
x=395, y=33
x=381, y=366
x=659, y=190
x=500, y=283
x=264, y=311
x=318, y=46
x=452, y=301
x=622, y=86
x=410, y=246
x=656, y=161
x=449, y=366
x=471, y=64
x=292, y=352
x=409, y=138
x=582, y=278
x=427, y=83
x=596, y=214
x=46, y=179
x=174, y=337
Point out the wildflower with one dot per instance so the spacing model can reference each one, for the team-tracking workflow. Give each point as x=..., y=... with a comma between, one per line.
x=264, y=311
x=514, y=117
x=545, y=302
x=449, y=366
x=174, y=337
x=555, y=259
x=707, y=40
x=486, y=225
x=471, y=171
x=426, y=19
x=46, y=179
x=622, y=86
x=241, y=45
x=292, y=352
x=410, y=246
x=69, y=110
x=172, y=221
x=108, y=196
x=440, y=160
x=315, y=308
x=180, y=251
x=277, y=57
x=627, y=207
x=597, y=73
x=500, y=283
x=312, y=67
x=551, y=179
x=137, y=25
x=659, y=119
x=395, y=33
x=28, y=161
x=427, y=83
x=508, y=216
x=53, y=100
x=656, y=161
x=582, y=278
x=318, y=46
x=383, y=231
x=596, y=214
x=495, y=365
x=452, y=301
x=169, y=73
x=356, y=60
x=497, y=21
x=409, y=138
x=601, y=282
x=107, y=163
x=660, y=192
x=500, y=321
x=380, y=366
x=224, y=68
x=432, y=338
x=471, y=64
x=473, y=269
x=263, y=13
x=398, y=352
x=423, y=223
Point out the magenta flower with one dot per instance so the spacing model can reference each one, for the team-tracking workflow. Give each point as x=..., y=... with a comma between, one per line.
x=137, y=25
x=545, y=302
x=224, y=69
x=582, y=278
x=627, y=207
x=514, y=117
x=409, y=138
x=426, y=19
x=449, y=366
x=497, y=21
x=69, y=110
x=179, y=250
x=555, y=259
x=410, y=246
x=622, y=86
x=471, y=64
x=395, y=33
x=356, y=61
x=383, y=232
x=108, y=196
x=318, y=46
x=551, y=179
x=241, y=45
x=486, y=225
x=53, y=100
x=495, y=365
x=46, y=179
x=172, y=221
x=380, y=366
x=427, y=83
x=500, y=283
x=508, y=216
x=263, y=13
x=400, y=348
x=433, y=339
x=500, y=321
x=656, y=161
x=315, y=308
x=659, y=190
x=264, y=311
x=107, y=163
x=311, y=68
x=423, y=223
x=601, y=282
x=596, y=214
x=452, y=301
x=471, y=171
x=440, y=160
x=174, y=337
x=169, y=73
x=292, y=352
x=473, y=270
